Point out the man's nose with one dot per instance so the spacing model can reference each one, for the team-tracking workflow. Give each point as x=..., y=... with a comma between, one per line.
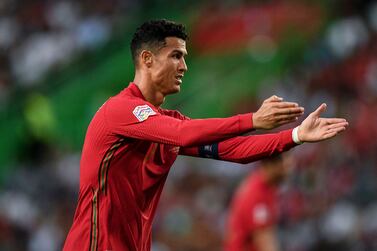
x=182, y=65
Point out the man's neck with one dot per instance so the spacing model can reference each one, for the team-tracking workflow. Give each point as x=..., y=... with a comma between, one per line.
x=150, y=94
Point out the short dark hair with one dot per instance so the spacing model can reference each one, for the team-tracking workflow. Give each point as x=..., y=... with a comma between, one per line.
x=151, y=35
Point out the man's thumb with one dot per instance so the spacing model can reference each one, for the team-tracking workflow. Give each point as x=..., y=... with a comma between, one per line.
x=320, y=110
x=273, y=98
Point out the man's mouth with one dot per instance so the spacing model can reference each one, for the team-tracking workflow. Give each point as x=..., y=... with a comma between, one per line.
x=179, y=78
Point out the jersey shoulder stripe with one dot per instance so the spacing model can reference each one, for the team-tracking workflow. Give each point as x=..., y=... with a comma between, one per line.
x=93, y=246
x=105, y=164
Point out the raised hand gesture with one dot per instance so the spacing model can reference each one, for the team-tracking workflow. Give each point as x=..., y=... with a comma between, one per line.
x=275, y=112
x=314, y=128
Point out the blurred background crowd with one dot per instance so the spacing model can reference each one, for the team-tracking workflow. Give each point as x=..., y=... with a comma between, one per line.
x=60, y=60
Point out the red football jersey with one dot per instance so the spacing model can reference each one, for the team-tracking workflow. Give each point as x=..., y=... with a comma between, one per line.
x=254, y=206
x=129, y=148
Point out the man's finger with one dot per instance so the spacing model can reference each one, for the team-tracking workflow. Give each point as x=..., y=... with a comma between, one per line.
x=319, y=110
x=286, y=105
x=337, y=125
x=295, y=111
x=331, y=121
x=334, y=131
x=329, y=135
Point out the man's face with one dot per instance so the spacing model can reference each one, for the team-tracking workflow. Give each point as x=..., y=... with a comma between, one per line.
x=169, y=66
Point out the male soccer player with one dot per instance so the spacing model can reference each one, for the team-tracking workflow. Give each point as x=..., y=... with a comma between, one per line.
x=132, y=142
x=253, y=211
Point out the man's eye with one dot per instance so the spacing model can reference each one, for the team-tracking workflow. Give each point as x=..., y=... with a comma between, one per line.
x=177, y=56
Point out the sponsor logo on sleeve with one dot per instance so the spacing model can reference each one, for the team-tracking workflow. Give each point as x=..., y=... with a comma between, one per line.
x=142, y=112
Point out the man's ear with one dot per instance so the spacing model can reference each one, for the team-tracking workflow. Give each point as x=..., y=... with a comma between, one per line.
x=146, y=58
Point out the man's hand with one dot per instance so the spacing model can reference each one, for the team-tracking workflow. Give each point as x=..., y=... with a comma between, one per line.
x=314, y=128
x=274, y=112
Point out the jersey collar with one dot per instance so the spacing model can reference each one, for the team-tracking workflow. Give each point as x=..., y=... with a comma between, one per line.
x=135, y=91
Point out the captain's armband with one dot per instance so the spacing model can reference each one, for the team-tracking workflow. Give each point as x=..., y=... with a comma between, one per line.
x=209, y=151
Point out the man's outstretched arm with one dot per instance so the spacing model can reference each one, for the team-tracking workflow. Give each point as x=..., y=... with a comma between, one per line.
x=136, y=118
x=251, y=148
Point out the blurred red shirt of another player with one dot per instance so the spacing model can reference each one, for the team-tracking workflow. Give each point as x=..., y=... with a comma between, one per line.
x=255, y=206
